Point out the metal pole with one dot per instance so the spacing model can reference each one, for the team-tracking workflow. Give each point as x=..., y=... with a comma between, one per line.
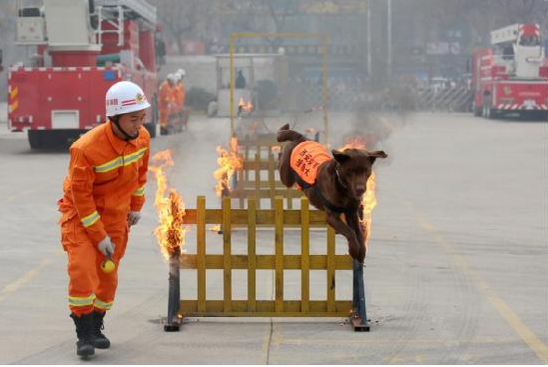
x=389, y=31
x=173, y=321
x=325, y=42
x=358, y=318
x=231, y=86
x=368, y=9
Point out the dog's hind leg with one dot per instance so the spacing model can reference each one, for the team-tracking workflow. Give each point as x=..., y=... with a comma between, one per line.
x=284, y=134
x=286, y=173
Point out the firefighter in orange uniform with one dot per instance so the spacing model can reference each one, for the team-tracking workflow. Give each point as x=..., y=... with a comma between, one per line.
x=180, y=95
x=103, y=194
x=165, y=102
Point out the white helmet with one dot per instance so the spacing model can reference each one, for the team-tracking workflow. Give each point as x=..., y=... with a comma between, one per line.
x=125, y=97
x=181, y=72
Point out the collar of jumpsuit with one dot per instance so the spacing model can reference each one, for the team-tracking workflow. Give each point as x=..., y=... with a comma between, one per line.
x=119, y=144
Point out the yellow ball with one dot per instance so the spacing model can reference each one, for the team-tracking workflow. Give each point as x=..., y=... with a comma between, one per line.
x=108, y=266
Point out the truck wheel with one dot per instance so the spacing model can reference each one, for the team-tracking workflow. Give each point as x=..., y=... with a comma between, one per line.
x=53, y=139
x=35, y=139
x=151, y=129
x=534, y=115
x=477, y=110
x=488, y=112
x=152, y=126
x=492, y=114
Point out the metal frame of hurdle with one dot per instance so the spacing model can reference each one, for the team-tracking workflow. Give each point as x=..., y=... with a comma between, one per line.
x=277, y=218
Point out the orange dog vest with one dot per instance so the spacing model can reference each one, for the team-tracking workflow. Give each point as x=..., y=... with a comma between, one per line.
x=306, y=159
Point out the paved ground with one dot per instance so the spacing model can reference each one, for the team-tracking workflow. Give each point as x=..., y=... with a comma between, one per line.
x=457, y=271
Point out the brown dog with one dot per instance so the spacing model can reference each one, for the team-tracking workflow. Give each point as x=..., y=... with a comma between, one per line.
x=336, y=187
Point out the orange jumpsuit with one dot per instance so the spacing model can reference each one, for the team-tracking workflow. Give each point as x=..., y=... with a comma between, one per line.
x=165, y=97
x=306, y=159
x=106, y=179
x=179, y=96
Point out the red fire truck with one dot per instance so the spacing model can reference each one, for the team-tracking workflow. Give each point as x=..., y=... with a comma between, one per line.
x=511, y=77
x=82, y=48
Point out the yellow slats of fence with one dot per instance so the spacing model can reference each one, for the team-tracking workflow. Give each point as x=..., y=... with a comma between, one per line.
x=257, y=163
x=305, y=252
x=238, y=191
x=266, y=193
x=279, y=252
x=265, y=216
x=266, y=309
x=251, y=255
x=200, y=252
x=271, y=178
x=278, y=185
x=257, y=181
x=227, y=255
x=266, y=262
x=246, y=157
x=252, y=262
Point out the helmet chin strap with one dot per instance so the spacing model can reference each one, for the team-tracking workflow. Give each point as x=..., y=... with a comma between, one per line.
x=128, y=137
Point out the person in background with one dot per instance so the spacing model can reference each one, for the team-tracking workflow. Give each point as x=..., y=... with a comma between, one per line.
x=240, y=80
x=165, y=102
x=180, y=96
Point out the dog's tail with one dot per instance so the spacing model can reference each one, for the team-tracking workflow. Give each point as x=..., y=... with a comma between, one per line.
x=284, y=134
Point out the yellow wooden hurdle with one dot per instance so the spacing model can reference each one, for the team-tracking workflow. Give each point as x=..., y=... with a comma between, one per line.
x=252, y=217
x=260, y=189
x=259, y=157
x=257, y=144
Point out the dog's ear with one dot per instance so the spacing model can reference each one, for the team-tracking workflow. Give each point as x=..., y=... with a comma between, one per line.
x=340, y=157
x=376, y=154
x=285, y=127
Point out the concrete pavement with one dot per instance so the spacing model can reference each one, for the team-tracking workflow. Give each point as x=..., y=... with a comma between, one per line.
x=457, y=271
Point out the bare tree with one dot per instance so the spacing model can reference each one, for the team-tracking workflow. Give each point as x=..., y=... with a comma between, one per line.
x=187, y=19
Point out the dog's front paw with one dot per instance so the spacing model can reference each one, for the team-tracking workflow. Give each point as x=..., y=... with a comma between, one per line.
x=356, y=251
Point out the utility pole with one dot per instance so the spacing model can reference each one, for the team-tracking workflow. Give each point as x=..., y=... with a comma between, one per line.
x=368, y=10
x=389, y=39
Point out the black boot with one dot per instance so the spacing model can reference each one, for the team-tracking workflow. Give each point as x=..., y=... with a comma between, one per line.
x=100, y=341
x=84, y=327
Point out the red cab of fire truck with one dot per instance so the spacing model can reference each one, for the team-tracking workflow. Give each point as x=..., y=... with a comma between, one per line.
x=511, y=77
x=82, y=47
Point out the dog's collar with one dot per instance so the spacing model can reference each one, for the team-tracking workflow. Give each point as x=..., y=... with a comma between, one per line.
x=323, y=199
x=339, y=178
x=330, y=206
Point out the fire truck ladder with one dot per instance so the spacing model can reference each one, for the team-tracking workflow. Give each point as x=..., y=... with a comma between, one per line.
x=115, y=11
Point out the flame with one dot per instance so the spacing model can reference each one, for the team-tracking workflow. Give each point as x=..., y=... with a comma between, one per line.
x=229, y=162
x=369, y=201
x=171, y=209
x=215, y=227
x=354, y=142
x=245, y=106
